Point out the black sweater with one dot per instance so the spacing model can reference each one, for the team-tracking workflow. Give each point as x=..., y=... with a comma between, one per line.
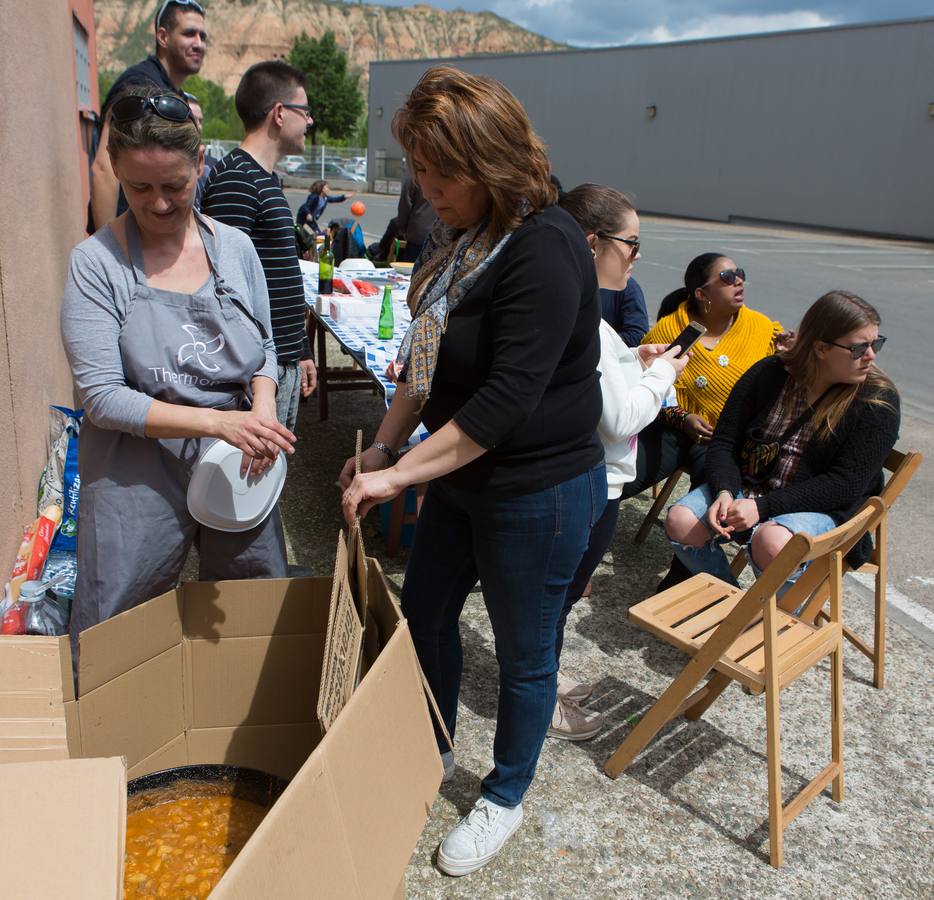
x=517, y=366
x=834, y=476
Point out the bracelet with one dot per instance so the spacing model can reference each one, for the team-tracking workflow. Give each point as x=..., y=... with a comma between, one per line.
x=385, y=448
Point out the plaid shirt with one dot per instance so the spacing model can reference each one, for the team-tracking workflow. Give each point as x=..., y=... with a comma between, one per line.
x=791, y=403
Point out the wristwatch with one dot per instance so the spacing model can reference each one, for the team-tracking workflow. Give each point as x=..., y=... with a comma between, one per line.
x=385, y=448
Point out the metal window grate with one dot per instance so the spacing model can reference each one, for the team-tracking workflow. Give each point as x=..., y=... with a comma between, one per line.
x=82, y=66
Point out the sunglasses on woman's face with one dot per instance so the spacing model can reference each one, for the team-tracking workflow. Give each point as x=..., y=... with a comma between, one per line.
x=858, y=351
x=633, y=243
x=729, y=276
x=166, y=106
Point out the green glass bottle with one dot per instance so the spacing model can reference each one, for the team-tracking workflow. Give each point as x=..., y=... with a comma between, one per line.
x=326, y=267
x=387, y=323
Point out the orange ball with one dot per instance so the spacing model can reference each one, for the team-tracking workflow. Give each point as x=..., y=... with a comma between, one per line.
x=357, y=208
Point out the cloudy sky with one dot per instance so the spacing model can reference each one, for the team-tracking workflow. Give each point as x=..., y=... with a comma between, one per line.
x=589, y=23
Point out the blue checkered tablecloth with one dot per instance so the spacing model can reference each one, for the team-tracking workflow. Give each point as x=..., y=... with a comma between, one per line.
x=358, y=336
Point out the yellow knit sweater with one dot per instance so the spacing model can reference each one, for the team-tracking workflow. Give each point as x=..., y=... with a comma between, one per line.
x=709, y=377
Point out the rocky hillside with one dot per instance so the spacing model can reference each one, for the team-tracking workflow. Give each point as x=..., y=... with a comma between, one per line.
x=245, y=31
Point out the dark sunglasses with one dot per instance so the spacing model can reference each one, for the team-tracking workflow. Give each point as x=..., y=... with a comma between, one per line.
x=858, y=351
x=190, y=4
x=301, y=107
x=729, y=276
x=166, y=106
x=633, y=243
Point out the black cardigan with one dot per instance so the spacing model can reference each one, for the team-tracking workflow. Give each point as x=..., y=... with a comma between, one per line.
x=517, y=365
x=834, y=476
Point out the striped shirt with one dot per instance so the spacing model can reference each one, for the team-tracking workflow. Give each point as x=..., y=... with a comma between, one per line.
x=240, y=192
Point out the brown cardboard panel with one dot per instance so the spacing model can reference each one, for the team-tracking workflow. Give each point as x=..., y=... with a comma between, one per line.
x=27, y=751
x=123, y=642
x=387, y=711
x=135, y=713
x=66, y=829
x=213, y=610
x=174, y=753
x=300, y=849
x=253, y=680
x=29, y=663
x=279, y=749
x=73, y=729
x=31, y=704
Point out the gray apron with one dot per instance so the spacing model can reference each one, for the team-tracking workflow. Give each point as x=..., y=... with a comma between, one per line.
x=135, y=530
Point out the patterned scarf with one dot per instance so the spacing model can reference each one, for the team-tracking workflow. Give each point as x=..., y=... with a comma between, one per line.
x=450, y=265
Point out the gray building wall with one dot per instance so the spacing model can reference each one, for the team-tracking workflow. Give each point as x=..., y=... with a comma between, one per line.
x=829, y=128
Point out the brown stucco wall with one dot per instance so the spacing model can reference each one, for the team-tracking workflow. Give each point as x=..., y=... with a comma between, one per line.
x=42, y=216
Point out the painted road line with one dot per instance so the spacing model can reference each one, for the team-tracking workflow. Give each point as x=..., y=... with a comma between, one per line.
x=909, y=614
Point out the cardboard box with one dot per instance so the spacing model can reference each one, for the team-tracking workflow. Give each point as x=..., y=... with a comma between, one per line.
x=224, y=672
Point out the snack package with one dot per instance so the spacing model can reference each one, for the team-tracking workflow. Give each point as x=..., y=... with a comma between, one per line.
x=34, y=549
x=60, y=483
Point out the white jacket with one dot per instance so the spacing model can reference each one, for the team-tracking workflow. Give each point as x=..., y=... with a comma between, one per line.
x=632, y=397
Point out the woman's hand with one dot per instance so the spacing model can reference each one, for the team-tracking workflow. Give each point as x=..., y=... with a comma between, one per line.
x=742, y=515
x=371, y=460
x=368, y=489
x=257, y=433
x=309, y=376
x=697, y=428
x=648, y=353
x=784, y=341
x=717, y=514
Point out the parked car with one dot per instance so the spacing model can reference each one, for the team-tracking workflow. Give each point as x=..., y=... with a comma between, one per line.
x=291, y=163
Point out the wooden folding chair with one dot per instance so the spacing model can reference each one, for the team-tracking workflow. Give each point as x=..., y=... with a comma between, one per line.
x=653, y=516
x=901, y=468
x=744, y=636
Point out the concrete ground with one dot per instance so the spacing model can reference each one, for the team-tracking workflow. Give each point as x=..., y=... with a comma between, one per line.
x=690, y=815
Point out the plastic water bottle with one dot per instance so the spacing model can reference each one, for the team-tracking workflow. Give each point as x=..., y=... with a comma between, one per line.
x=387, y=322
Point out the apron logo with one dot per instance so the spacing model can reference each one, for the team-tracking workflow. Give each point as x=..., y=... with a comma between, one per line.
x=197, y=349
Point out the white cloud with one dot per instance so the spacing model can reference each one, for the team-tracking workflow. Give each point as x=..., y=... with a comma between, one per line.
x=723, y=25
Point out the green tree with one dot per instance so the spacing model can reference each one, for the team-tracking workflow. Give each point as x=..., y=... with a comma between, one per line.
x=333, y=90
x=221, y=121
x=105, y=81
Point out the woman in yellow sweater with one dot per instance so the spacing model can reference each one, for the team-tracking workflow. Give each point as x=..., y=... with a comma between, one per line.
x=736, y=337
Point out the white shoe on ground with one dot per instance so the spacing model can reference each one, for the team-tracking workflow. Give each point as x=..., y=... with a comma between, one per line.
x=571, y=722
x=569, y=689
x=447, y=758
x=478, y=837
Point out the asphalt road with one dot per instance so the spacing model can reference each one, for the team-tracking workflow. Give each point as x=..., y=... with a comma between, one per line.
x=787, y=270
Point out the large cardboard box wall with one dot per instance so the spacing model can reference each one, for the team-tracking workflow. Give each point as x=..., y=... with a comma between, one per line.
x=226, y=672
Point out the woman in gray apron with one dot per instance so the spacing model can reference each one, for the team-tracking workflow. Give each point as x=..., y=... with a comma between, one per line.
x=166, y=324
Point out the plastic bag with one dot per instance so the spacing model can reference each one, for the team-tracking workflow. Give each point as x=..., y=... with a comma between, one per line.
x=59, y=482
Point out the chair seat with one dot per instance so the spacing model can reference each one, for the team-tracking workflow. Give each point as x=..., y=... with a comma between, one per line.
x=687, y=614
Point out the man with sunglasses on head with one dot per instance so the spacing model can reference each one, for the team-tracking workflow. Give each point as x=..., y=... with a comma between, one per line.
x=181, y=43
x=244, y=192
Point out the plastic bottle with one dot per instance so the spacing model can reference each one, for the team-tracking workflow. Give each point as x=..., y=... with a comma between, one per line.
x=14, y=619
x=326, y=267
x=45, y=615
x=387, y=323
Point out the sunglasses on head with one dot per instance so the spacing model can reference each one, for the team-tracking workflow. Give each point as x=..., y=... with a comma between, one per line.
x=633, y=243
x=858, y=351
x=166, y=106
x=189, y=4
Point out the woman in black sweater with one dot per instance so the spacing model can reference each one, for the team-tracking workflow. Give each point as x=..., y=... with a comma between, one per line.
x=500, y=363
x=799, y=446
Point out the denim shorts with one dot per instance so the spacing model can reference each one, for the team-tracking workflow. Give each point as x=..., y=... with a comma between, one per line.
x=813, y=523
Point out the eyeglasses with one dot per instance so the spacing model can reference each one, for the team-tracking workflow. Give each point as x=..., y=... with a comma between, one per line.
x=303, y=108
x=858, y=351
x=729, y=276
x=197, y=7
x=166, y=106
x=633, y=243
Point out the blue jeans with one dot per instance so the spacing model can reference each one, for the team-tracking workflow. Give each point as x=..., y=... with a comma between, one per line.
x=290, y=389
x=524, y=550
x=711, y=559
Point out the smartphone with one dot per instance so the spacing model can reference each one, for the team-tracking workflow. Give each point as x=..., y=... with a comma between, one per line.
x=692, y=332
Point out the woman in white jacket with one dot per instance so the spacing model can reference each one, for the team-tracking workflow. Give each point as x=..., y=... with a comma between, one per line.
x=634, y=382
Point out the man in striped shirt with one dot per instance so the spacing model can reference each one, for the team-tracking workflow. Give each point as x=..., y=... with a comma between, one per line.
x=244, y=192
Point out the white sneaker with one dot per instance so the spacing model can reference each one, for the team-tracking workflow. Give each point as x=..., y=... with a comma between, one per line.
x=447, y=758
x=571, y=722
x=569, y=689
x=478, y=837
